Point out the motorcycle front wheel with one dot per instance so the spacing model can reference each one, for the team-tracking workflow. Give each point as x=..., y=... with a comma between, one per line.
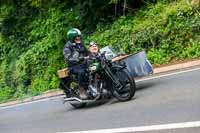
x=128, y=86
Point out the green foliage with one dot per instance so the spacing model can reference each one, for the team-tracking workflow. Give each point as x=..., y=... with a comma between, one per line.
x=33, y=34
x=5, y=91
x=165, y=31
x=5, y=94
x=33, y=51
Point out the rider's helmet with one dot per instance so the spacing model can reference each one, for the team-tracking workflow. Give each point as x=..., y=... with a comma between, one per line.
x=73, y=33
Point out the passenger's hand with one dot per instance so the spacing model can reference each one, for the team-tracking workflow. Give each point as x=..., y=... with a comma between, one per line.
x=81, y=59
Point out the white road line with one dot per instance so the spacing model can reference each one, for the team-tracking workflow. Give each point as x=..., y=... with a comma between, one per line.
x=144, y=128
x=25, y=103
x=139, y=80
x=166, y=75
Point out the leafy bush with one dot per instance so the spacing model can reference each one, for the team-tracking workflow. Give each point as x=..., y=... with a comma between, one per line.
x=5, y=92
x=33, y=34
x=33, y=51
x=165, y=31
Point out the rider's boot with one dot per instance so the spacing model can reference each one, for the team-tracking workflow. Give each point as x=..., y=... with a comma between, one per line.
x=82, y=93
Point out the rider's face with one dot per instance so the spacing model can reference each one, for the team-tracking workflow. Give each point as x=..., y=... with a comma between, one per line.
x=78, y=39
x=94, y=49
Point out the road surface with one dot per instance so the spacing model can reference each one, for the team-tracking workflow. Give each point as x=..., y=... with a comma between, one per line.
x=163, y=100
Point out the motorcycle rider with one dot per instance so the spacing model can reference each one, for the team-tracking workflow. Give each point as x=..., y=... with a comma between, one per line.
x=74, y=52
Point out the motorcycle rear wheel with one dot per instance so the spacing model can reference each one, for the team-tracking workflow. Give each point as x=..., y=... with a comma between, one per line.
x=128, y=90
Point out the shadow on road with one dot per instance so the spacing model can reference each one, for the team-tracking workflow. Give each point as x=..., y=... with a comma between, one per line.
x=91, y=105
x=147, y=85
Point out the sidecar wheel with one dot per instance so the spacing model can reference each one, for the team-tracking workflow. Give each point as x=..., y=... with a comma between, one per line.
x=78, y=105
x=128, y=91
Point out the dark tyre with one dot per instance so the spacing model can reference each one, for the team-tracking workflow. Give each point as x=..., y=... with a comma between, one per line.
x=78, y=105
x=128, y=89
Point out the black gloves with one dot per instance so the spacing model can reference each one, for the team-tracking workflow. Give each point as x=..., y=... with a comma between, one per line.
x=81, y=59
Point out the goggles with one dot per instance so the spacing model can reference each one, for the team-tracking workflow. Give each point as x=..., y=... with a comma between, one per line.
x=92, y=44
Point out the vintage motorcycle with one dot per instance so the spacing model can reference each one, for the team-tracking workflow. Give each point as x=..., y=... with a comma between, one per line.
x=106, y=78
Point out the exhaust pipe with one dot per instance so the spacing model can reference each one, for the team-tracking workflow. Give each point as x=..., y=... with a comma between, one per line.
x=73, y=99
x=80, y=100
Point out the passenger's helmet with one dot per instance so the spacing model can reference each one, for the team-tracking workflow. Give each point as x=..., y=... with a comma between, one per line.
x=73, y=33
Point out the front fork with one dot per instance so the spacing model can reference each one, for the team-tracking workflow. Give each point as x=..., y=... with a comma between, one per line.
x=113, y=77
x=95, y=85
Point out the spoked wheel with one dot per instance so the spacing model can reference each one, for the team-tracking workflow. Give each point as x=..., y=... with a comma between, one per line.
x=128, y=90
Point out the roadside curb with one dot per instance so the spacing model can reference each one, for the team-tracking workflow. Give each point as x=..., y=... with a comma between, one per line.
x=60, y=93
x=39, y=97
x=177, y=66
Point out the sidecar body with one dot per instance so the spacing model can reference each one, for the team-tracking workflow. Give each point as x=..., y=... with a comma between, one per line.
x=137, y=64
